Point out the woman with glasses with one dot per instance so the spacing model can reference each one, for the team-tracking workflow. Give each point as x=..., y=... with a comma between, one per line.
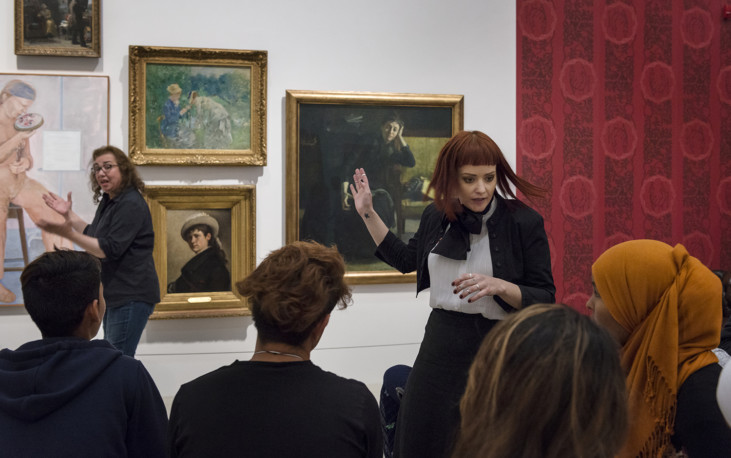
x=121, y=236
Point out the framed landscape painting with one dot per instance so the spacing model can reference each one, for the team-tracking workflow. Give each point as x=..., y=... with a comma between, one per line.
x=67, y=28
x=197, y=106
x=396, y=138
x=205, y=241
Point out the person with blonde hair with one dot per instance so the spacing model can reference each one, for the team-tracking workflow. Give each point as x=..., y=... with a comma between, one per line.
x=662, y=306
x=546, y=383
x=279, y=403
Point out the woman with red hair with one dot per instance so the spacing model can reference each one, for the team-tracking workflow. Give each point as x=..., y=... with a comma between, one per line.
x=482, y=255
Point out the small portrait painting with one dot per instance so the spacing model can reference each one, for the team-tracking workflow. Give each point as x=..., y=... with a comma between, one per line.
x=199, y=251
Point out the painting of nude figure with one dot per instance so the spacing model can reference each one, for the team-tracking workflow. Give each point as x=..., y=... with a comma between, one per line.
x=49, y=124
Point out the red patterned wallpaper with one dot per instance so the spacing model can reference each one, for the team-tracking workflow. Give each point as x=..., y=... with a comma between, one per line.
x=624, y=115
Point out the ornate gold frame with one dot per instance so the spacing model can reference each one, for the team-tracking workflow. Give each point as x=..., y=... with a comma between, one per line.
x=22, y=49
x=240, y=200
x=256, y=61
x=296, y=98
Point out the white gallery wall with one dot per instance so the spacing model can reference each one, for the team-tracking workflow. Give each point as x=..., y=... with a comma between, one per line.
x=415, y=46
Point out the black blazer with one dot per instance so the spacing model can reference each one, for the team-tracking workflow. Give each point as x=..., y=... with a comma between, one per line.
x=518, y=246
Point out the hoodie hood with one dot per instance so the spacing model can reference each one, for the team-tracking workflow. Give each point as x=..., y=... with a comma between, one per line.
x=41, y=376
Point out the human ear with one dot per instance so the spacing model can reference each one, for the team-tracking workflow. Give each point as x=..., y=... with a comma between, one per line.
x=95, y=311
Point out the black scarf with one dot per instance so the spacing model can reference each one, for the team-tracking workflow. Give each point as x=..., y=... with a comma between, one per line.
x=455, y=243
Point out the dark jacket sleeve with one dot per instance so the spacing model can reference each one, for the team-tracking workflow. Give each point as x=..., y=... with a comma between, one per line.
x=148, y=421
x=404, y=157
x=407, y=257
x=536, y=285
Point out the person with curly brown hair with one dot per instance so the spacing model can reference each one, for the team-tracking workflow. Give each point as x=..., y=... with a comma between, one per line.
x=279, y=403
x=121, y=236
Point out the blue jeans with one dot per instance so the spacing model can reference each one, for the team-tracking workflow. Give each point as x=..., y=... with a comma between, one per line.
x=123, y=325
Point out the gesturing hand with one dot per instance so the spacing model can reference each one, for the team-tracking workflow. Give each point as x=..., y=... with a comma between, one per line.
x=60, y=206
x=361, y=191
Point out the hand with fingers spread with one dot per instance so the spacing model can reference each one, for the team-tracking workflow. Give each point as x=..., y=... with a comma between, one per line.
x=60, y=206
x=362, y=197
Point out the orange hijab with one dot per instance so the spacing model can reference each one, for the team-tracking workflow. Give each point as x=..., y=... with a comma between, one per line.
x=670, y=304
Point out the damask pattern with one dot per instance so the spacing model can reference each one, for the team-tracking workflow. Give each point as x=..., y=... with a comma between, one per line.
x=621, y=106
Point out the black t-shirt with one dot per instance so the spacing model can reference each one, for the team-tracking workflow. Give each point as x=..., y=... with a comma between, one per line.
x=700, y=428
x=266, y=409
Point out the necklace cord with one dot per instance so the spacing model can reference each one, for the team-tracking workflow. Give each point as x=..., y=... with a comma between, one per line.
x=279, y=353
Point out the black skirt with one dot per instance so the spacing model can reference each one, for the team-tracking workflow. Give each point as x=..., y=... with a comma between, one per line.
x=428, y=419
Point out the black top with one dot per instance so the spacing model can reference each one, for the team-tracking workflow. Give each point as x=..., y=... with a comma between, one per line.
x=275, y=410
x=204, y=272
x=378, y=158
x=123, y=226
x=700, y=427
x=726, y=337
x=518, y=247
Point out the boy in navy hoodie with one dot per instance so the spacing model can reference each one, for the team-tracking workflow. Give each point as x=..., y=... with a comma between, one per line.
x=66, y=394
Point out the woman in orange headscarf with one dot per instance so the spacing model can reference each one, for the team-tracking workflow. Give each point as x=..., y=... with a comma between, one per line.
x=663, y=307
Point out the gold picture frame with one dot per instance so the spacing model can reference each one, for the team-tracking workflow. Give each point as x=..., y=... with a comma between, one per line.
x=55, y=30
x=233, y=207
x=191, y=106
x=328, y=133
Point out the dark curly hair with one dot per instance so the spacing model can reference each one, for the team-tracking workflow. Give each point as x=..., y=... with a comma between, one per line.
x=293, y=289
x=127, y=169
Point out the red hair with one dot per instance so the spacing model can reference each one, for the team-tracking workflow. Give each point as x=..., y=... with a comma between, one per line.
x=473, y=148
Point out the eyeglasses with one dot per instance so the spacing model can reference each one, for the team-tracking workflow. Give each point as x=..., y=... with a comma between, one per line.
x=106, y=167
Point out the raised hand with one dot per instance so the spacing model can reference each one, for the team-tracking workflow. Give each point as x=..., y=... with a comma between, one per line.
x=362, y=197
x=60, y=206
